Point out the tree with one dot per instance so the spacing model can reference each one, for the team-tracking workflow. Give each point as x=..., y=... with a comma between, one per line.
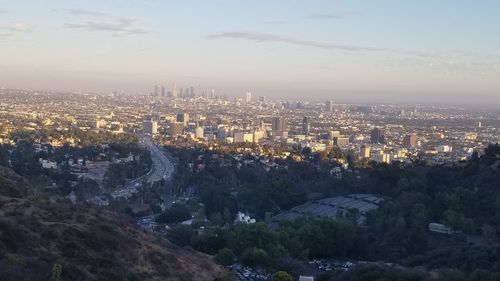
x=56, y=272
x=254, y=257
x=282, y=276
x=181, y=235
x=225, y=257
x=176, y=213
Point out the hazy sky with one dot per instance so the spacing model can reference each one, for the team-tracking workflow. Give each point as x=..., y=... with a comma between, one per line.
x=358, y=50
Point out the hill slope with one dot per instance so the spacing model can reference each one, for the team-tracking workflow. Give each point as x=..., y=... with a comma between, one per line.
x=89, y=243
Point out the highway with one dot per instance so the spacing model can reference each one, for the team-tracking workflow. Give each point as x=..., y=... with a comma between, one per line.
x=162, y=168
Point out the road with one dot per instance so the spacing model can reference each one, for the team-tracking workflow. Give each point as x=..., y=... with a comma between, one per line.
x=161, y=168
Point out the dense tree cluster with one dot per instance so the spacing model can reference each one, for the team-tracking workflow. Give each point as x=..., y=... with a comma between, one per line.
x=464, y=196
x=258, y=245
x=175, y=214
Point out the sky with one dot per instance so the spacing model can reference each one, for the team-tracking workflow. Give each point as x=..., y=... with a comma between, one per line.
x=445, y=51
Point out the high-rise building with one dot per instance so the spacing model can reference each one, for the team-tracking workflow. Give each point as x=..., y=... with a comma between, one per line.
x=150, y=127
x=199, y=132
x=223, y=132
x=258, y=135
x=155, y=117
x=279, y=126
x=410, y=140
x=176, y=129
x=248, y=97
x=156, y=91
x=306, y=126
x=333, y=134
x=193, y=94
x=365, y=151
x=341, y=141
x=183, y=118
x=174, y=90
x=377, y=136
x=329, y=106
x=241, y=137
x=381, y=157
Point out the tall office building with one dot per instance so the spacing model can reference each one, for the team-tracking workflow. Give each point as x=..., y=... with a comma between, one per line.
x=242, y=137
x=183, y=118
x=279, y=126
x=155, y=117
x=377, y=136
x=365, y=151
x=193, y=94
x=258, y=135
x=381, y=157
x=156, y=91
x=150, y=127
x=248, y=97
x=306, y=126
x=333, y=134
x=329, y=106
x=174, y=90
x=176, y=129
x=199, y=132
x=341, y=141
x=410, y=140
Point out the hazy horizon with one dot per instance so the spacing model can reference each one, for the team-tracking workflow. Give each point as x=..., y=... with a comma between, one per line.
x=381, y=51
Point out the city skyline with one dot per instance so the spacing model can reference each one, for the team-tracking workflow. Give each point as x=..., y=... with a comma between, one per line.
x=345, y=50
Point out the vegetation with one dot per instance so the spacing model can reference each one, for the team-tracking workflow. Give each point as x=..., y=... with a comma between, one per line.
x=225, y=257
x=282, y=276
x=464, y=196
x=24, y=160
x=175, y=214
x=59, y=241
x=56, y=272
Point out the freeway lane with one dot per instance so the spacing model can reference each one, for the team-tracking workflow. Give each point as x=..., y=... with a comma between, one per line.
x=162, y=168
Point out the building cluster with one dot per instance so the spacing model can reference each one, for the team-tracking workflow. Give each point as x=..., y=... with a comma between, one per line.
x=184, y=116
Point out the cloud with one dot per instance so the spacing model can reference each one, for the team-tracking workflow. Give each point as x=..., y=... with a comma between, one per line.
x=119, y=27
x=276, y=22
x=82, y=12
x=441, y=62
x=328, y=16
x=5, y=37
x=9, y=31
x=104, y=22
x=17, y=27
x=269, y=37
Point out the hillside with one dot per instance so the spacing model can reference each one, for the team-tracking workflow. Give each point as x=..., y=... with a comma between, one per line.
x=89, y=244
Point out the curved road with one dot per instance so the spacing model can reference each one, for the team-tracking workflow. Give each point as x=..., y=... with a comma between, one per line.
x=162, y=168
